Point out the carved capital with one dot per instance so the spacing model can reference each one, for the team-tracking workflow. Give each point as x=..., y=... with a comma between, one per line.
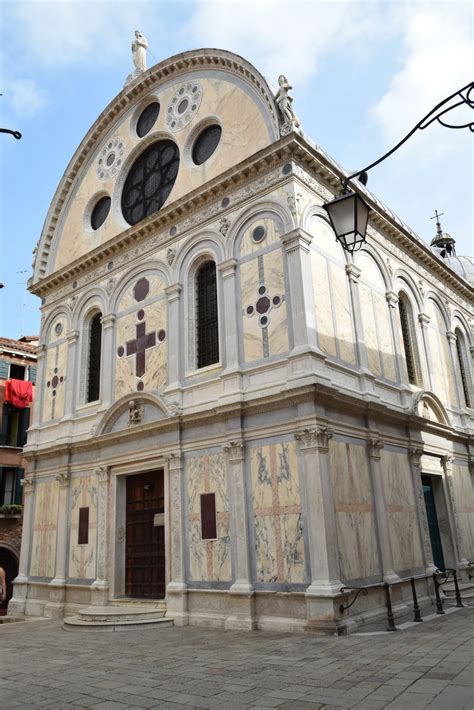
x=28, y=485
x=375, y=445
x=102, y=473
x=448, y=461
x=415, y=454
x=392, y=299
x=227, y=268
x=296, y=240
x=451, y=337
x=173, y=292
x=40, y=351
x=108, y=320
x=353, y=272
x=423, y=319
x=317, y=438
x=175, y=460
x=235, y=450
x=63, y=479
x=72, y=337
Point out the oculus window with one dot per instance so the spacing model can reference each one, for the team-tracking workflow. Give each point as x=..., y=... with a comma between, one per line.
x=147, y=119
x=100, y=212
x=150, y=181
x=206, y=143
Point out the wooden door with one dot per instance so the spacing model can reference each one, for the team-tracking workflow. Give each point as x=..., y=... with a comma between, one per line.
x=145, y=540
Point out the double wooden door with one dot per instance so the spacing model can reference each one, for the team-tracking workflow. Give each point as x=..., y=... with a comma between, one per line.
x=145, y=536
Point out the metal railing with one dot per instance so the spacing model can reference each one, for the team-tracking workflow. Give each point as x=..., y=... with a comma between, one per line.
x=364, y=590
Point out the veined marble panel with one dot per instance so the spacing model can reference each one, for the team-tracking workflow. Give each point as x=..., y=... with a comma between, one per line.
x=441, y=365
x=401, y=512
x=82, y=558
x=343, y=313
x=384, y=330
x=370, y=329
x=156, y=288
x=155, y=375
x=277, y=514
x=55, y=382
x=322, y=304
x=43, y=548
x=209, y=560
x=272, y=234
x=464, y=500
x=357, y=542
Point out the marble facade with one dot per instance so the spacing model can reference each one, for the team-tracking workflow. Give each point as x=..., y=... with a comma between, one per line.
x=306, y=430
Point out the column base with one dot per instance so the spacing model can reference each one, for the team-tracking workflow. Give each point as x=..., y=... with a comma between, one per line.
x=17, y=604
x=391, y=578
x=54, y=609
x=324, y=589
x=99, y=593
x=242, y=617
x=322, y=609
x=177, y=603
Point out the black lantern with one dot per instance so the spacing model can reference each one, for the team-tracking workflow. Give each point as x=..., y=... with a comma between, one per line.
x=349, y=215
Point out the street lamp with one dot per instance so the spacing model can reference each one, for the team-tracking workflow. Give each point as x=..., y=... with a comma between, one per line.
x=15, y=134
x=349, y=213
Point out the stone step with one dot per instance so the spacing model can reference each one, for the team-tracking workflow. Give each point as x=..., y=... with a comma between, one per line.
x=74, y=623
x=120, y=613
x=145, y=603
x=466, y=589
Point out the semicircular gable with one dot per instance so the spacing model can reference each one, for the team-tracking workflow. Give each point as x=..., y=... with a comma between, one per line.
x=208, y=87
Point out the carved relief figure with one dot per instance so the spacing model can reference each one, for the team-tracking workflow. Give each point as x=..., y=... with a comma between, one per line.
x=135, y=413
x=139, y=47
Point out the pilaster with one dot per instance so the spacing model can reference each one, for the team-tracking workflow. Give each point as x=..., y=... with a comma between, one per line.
x=176, y=590
x=57, y=587
x=100, y=586
x=392, y=302
x=366, y=376
x=173, y=294
x=241, y=592
x=17, y=603
x=39, y=386
x=108, y=323
x=72, y=346
x=447, y=462
x=375, y=445
x=424, y=321
x=227, y=271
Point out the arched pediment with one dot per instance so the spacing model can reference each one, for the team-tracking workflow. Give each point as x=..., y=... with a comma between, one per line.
x=429, y=406
x=133, y=410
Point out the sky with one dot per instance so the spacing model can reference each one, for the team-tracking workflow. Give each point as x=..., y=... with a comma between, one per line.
x=363, y=74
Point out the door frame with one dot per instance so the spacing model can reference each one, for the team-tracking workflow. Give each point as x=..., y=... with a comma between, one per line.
x=119, y=475
x=444, y=513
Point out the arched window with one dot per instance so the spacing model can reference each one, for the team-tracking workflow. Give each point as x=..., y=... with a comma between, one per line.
x=207, y=328
x=93, y=361
x=409, y=339
x=464, y=369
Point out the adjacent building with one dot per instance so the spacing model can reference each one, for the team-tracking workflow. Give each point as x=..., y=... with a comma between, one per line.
x=233, y=414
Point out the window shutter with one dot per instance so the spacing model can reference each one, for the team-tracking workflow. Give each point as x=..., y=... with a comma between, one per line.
x=4, y=369
x=208, y=516
x=33, y=374
x=18, y=487
x=4, y=432
x=24, y=424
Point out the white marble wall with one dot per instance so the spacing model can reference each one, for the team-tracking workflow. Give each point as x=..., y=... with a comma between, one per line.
x=82, y=558
x=43, y=548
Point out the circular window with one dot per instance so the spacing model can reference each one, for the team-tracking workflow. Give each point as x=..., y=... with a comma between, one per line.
x=150, y=181
x=258, y=234
x=147, y=119
x=100, y=212
x=206, y=143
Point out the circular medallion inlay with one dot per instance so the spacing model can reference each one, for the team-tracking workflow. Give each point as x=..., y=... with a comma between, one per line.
x=58, y=328
x=183, y=106
x=54, y=381
x=161, y=335
x=140, y=386
x=141, y=314
x=258, y=234
x=120, y=351
x=110, y=158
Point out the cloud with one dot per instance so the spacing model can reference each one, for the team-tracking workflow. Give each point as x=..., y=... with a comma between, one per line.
x=283, y=36
x=23, y=97
x=437, y=60
x=75, y=32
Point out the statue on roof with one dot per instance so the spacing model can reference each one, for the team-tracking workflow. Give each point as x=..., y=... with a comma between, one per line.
x=285, y=104
x=139, y=47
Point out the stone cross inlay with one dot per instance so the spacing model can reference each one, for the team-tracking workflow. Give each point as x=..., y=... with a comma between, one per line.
x=263, y=306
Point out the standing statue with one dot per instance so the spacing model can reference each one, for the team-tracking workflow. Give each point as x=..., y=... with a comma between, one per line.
x=139, y=47
x=285, y=101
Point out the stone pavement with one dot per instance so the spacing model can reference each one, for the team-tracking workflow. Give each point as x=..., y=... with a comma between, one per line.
x=427, y=666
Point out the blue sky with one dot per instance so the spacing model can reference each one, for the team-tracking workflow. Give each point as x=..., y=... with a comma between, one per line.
x=363, y=74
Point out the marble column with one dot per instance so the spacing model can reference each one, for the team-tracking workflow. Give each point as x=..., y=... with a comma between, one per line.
x=375, y=446
x=100, y=586
x=322, y=609
x=415, y=458
x=175, y=325
x=72, y=345
x=301, y=306
x=228, y=276
x=17, y=603
x=241, y=591
x=57, y=587
x=107, y=360
x=447, y=462
x=177, y=590
x=366, y=376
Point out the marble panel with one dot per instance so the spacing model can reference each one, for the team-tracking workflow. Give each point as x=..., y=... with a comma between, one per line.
x=464, y=501
x=272, y=235
x=384, y=331
x=322, y=304
x=43, y=548
x=58, y=329
x=156, y=288
x=55, y=389
x=401, y=511
x=82, y=558
x=357, y=542
x=277, y=516
x=209, y=560
x=370, y=329
x=325, y=241
x=342, y=311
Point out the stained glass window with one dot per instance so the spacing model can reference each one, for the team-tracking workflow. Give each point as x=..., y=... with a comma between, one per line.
x=207, y=315
x=206, y=143
x=150, y=181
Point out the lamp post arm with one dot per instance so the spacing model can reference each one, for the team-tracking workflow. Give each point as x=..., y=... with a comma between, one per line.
x=15, y=134
x=434, y=115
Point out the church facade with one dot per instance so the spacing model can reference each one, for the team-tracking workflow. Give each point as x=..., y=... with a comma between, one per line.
x=233, y=414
